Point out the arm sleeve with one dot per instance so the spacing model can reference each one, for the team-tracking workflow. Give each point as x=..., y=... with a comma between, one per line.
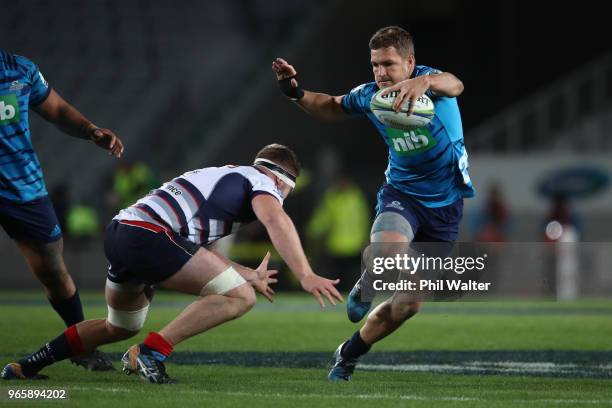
x=357, y=101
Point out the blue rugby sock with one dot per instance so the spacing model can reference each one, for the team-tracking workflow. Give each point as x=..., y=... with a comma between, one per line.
x=70, y=310
x=355, y=348
x=65, y=345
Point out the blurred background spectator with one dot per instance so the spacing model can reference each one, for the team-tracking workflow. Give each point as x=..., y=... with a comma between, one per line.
x=83, y=223
x=493, y=220
x=338, y=230
x=131, y=181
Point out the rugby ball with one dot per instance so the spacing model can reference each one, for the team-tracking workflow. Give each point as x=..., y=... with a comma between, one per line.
x=382, y=107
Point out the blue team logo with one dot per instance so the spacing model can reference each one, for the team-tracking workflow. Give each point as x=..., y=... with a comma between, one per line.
x=9, y=109
x=56, y=231
x=16, y=86
x=395, y=204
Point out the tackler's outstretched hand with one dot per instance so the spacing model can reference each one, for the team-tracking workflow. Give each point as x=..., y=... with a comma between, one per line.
x=265, y=278
x=319, y=287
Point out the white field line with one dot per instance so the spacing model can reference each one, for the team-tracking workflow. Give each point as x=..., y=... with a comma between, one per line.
x=495, y=366
x=176, y=391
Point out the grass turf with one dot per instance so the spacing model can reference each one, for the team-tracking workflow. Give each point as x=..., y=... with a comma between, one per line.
x=294, y=324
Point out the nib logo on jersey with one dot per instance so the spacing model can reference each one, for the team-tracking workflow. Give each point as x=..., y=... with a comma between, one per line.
x=409, y=142
x=9, y=109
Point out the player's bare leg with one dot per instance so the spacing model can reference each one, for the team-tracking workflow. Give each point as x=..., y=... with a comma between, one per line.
x=389, y=315
x=84, y=337
x=208, y=312
x=382, y=321
x=390, y=231
x=223, y=295
x=97, y=332
x=46, y=262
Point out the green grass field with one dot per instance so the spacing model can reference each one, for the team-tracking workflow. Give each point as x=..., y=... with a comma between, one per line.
x=497, y=354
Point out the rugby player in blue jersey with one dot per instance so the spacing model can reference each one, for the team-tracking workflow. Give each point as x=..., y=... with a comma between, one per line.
x=26, y=212
x=426, y=179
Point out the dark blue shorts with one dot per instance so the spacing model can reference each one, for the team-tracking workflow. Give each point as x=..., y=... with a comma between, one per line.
x=34, y=221
x=139, y=252
x=428, y=224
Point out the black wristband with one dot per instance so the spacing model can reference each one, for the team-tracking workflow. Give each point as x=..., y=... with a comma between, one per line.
x=290, y=91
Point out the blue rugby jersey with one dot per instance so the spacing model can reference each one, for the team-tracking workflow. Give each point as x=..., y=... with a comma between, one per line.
x=204, y=205
x=22, y=86
x=428, y=163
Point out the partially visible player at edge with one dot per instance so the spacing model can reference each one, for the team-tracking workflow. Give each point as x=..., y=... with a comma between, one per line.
x=26, y=212
x=162, y=239
x=426, y=178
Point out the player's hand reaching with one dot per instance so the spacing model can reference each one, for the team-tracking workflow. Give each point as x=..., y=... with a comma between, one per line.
x=320, y=287
x=286, y=76
x=408, y=90
x=283, y=70
x=106, y=139
x=264, y=278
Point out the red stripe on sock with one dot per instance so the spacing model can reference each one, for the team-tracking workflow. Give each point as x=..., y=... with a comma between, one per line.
x=74, y=341
x=157, y=342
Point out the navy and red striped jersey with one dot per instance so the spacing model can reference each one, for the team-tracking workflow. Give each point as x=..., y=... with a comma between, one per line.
x=206, y=204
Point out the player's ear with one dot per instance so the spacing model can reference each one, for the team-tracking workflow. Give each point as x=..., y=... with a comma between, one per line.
x=278, y=183
x=410, y=62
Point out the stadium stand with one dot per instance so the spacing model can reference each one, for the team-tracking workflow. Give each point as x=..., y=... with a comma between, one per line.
x=139, y=68
x=573, y=113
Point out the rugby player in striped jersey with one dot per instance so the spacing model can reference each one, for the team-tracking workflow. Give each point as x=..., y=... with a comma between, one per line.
x=161, y=240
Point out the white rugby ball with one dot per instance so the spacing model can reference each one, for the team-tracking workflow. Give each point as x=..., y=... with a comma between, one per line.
x=382, y=108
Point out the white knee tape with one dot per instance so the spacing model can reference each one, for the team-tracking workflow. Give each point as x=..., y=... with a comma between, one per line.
x=222, y=283
x=130, y=287
x=132, y=321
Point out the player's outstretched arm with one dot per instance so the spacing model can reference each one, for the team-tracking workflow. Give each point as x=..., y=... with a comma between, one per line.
x=320, y=105
x=59, y=112
x=285, y=239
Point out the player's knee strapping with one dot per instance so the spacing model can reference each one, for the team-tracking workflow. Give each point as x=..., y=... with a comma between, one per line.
x=130, y=287
x=391, y=222
x=132, y=320
x=224, y=282
x=128, y=320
